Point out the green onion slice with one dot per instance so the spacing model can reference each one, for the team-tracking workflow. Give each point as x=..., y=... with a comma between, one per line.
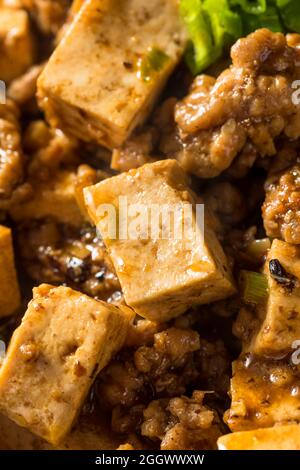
x=254, y=287
x=152, y=63
x=259, y=248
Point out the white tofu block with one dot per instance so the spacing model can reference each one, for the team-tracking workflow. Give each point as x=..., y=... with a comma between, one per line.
x=161, y=274
x=64, y=340
x=10, y=298
x=110, y=67
x=264, y=392
x=84, y=436
x=276, y=438
x=280, y=318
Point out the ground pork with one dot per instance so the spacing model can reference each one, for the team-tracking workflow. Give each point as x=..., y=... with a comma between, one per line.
x=165, y=368
x=243, y=111
x=281, y=209
x=174, y=362
x=181, y=423
x=55, y=253
x=23, y=89
x=49, y=149
x=135, y=152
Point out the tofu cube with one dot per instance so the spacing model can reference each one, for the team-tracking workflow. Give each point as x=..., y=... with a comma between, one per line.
x=161, y=274
x=86, y=435
x=105, y=75
x=15, y=43
x=10, y=298
x=264, y=392
x=56, y=199
x=280, y=318
x=276, y=438
x=64, y=340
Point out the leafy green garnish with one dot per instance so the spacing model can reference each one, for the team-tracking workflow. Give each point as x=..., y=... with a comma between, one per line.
x=254, y=7
x=200, y=52
x=210, y=25
x=270, y=19
x=214, y=25
x=290, y=14
x=225, y=24
x=152, y=63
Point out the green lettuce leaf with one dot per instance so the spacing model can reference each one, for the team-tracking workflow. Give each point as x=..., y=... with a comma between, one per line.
x=254, y=7
x=270, y=19
x=211, y=25
x=214, y=25
x=290, y=14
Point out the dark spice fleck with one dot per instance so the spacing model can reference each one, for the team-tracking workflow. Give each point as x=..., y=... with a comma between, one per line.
x=79, y=370
x=280, y=275
x=128, y=65
x=100, y=275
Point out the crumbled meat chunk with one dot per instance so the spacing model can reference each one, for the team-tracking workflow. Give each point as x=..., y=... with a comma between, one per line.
x=175, y=361
x=281, y=209
x=249, y=104
x=22, y=90
x=51, y=174
x=135, y=152
x=49, y=149
x=213, y=362
x=11, y=156
x=172, y=350
x=246, y=324
x=141, y=332
x=181, y=423
x=56, y=253
x=165, y=368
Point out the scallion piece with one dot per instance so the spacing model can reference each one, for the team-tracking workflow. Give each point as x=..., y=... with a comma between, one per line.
x=152, y=63
x=259, y=248
x=254, y=287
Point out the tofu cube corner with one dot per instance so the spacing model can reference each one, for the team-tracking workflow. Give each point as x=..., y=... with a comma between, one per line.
x=64, y=340
x=110, y=67
x=276, y=438
x=10, y=299
x=161, y=275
